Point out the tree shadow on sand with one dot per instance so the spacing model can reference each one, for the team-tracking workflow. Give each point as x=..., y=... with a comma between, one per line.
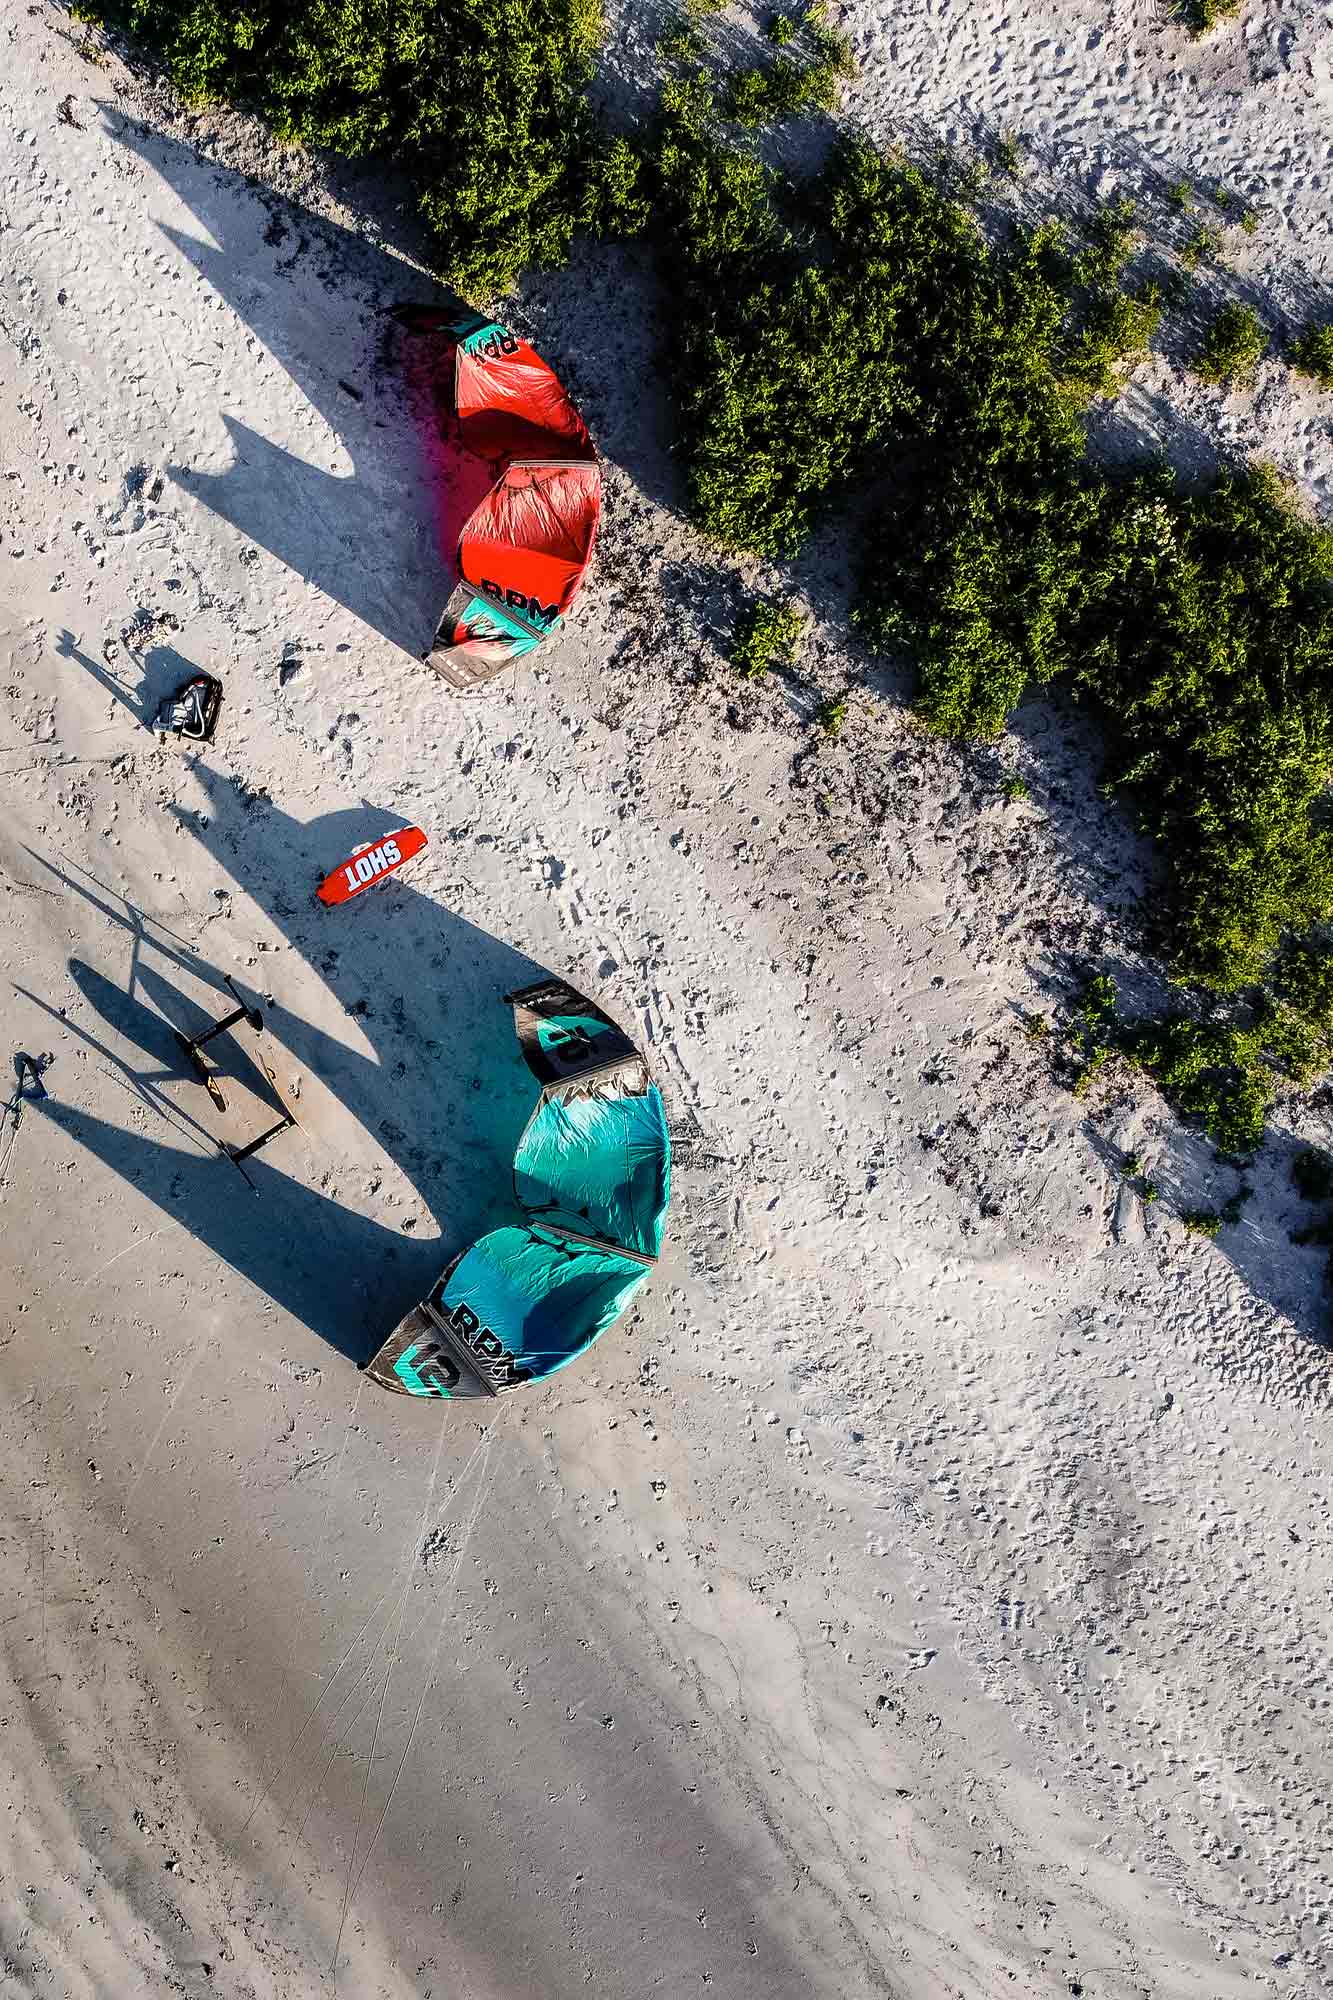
x=314, y=294
x=429, y=1067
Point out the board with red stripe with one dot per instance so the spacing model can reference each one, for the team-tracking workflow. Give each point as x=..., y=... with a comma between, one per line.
x=370, y=864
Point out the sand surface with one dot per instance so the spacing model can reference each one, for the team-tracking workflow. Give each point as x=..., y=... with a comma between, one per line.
x=926, y=1591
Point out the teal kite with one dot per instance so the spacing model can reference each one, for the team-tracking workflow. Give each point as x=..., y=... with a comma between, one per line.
x=592, y=1177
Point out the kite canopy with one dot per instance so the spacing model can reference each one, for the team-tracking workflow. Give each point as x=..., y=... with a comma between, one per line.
x=523, y=552
x=530, y=541
x=563, y=1036
x=598, y=1165
x=515, y=1307
x=509, y=402
x=592, y=1176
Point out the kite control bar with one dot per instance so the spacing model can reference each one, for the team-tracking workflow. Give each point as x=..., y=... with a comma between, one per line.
x=192, y=1045
x=238, y=1153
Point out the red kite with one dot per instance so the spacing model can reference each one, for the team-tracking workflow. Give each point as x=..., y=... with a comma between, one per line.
x=524, y=550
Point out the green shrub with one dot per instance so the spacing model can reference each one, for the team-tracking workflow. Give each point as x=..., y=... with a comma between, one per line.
x=765, y=457
x=795, y=368
x=1200, y=628
x=482, y=101
x=1111, y=234
x=967, y=564
x=1207, y=651
x=785, y=89
x=1302, y=1003
x=1117, y=328
x=613, y=198
x=831, y=716
x=1015, y=788
x=1220, y=1073
x=682, y=45
x=713, y=203
x=1212, y=1073
x=1202, y=248
x=1097, y=1002
x=832, y=47
x=769, y=636
x=981, y=582
x=794, y=84
x=1232, y=346
x=1312, y=353
x=1094, y=1061
x=1091, y=1036
x=1202, y=16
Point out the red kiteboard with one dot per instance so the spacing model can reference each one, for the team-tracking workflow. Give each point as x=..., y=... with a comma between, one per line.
x=370, y=863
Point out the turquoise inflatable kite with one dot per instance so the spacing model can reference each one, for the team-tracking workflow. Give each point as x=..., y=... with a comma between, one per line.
x=592, y=1177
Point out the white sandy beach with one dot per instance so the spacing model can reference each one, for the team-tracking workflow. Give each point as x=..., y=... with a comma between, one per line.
x=926, y=1591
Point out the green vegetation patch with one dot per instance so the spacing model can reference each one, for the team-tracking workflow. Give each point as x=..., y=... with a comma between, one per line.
x=1203, y=247
x=1220, y=1072
x=1117, y=327
x=1210, y=1073
x=858, y=336
x=1202, y=16
x=1205, y=643
x=769, y=636
x=831, y=716
x=1232, y=347
x=808, y=79
x=1312, y=353
x=784, y=89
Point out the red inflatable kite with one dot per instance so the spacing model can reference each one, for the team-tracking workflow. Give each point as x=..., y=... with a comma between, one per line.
x=522, y=547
